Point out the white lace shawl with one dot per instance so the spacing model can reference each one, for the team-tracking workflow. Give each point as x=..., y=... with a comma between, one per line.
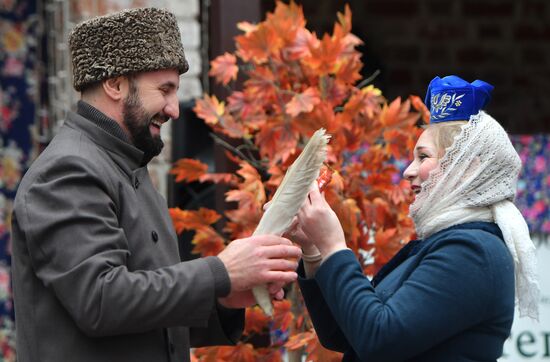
x=476, y=181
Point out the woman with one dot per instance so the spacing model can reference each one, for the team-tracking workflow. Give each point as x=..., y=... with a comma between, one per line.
x=448, y=296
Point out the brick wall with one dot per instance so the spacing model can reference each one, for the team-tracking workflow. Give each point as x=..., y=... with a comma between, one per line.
x=504, y=42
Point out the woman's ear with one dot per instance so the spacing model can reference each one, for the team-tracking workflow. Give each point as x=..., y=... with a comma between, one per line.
x=116, y=88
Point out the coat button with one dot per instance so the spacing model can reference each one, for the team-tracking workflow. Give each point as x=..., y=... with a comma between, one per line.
x=154, y=236
x=136, y=183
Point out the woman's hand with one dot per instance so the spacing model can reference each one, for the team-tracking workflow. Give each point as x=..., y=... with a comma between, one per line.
x=297, y=236
x=318, y=225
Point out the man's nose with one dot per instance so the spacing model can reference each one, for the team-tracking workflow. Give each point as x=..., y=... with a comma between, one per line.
x=172, y=108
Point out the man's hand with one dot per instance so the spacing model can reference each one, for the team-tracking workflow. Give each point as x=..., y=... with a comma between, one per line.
x=258, y=260
x=245, y=298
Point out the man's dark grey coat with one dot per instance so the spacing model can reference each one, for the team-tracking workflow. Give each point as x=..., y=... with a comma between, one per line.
x=96, y=269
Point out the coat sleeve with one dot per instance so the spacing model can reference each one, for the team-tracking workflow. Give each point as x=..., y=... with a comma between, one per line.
x=329, y=333
x=449, y=291
x=79, y=251
x=225, y=327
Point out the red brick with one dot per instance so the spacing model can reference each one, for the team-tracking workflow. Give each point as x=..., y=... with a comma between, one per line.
x=438, y=54
x=473, y=54
x=536, y=32
x=401, y=53
x=438, y=7
x=521, y=81
x=533, y=56
x=489, y=31
x=400, y=77
x=441, y=31
x=398, y=8
x=486, y=8
x=530, y=7
x=496, y=76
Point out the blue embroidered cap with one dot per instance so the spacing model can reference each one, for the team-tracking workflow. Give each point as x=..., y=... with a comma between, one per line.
x=452, y=98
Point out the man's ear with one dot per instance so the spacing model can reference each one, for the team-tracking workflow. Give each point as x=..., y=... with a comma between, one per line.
x=116, y=88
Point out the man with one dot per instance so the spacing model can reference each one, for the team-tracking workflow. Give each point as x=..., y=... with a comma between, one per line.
x=96, y=270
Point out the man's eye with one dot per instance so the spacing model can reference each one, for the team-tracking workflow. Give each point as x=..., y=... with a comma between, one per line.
x=422, y=156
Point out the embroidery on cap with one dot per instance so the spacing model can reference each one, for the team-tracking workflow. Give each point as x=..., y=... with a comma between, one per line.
x=440, y=103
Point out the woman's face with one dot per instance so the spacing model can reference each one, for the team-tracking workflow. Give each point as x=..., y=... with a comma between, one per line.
x=426, y=158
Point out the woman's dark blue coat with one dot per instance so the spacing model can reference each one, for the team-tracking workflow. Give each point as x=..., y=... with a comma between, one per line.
x=449, y=297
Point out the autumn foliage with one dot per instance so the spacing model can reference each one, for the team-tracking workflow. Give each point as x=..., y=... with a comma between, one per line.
x=295, y=83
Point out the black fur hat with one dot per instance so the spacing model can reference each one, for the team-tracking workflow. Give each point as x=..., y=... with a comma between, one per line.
x=129, y=41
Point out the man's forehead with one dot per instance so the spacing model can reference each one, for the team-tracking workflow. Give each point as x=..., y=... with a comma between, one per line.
x=168, y=77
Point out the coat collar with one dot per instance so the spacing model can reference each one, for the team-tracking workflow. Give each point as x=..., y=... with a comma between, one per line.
x=414, y=246
x=123, y=153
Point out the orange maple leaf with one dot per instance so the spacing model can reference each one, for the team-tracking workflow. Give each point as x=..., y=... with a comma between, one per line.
x=207, y=242
x=277, y=173
x=399, y=194
x=246, y=26
x=282, y=317
x=248, y=201
x=255, y=321
x=286, y=20
x=240, y=353
x=209, y=109
x=241, y=228
x=390, y=114
x=348, y=213
x=381, y=180
x=206, y=354
x=396, y=143
x=322, y=116
x=261, y=85
x=317, y=353
x=387, y=243
x=333, y=90
x=250, y=196
x=277, y=143
x=303, y=102
x=224, y=68
x=324, y=57
x=258, y=44
x=398, y=113
x=243, y=106
x=354, y=105
x=229, y=126
x=193, y=220
x=268, y=355
x=300, y=340
x=419, y=105
x=344, y=20
x=383, y=213
x=301, y=45
x=224, y=178
x=188, y=169
x=252, y=181
x=348, y=70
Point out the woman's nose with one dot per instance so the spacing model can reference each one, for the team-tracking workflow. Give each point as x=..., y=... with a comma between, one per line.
x=410, y=172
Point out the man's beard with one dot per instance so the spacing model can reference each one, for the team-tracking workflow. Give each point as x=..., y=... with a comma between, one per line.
x=137, y=121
